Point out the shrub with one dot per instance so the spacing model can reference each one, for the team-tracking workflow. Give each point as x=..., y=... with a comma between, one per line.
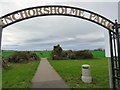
x=34, y=56
x=22, y=56
x=99, y=49
x=84, y=54
x=59, y=54
x=57, y=50
x=72, y=56
x=4, y=62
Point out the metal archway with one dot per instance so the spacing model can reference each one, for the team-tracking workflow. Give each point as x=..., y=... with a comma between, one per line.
x=49, y=10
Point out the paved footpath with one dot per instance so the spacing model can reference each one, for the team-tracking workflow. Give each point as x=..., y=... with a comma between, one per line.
x=47, y=77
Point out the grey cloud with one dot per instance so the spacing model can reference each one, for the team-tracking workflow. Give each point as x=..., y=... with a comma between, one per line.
x=70, y=32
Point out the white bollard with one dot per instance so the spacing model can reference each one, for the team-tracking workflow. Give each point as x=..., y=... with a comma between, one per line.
x=86, y=75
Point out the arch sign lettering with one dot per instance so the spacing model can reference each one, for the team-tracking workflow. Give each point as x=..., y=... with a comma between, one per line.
x=56, y=10
x=112, y=27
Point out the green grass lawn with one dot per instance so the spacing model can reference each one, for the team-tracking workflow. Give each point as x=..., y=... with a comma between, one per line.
x=19, y=75
x=0, y=79
x=70, y=71
x=43, y=54
x=7, y=53
x=98, y=53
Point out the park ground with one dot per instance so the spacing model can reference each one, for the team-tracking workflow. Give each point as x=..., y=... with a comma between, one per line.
x=20, y=74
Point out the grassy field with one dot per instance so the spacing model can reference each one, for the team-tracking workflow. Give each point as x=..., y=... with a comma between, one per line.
x=19, y=75
x=70, y=71
x=98, y=53
x=0, y=79
x=43, y=54
x=7, y=53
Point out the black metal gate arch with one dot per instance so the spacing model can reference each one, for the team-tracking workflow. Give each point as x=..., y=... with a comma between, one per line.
x=31, y=12
x=60, y=10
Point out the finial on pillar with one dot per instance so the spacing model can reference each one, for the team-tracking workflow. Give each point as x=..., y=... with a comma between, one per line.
x=1, y=23
x=116, y=21
x=117, y=24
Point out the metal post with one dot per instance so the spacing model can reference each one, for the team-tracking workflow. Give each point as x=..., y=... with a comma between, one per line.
x=0, y=59
x=119, y=12
x=118, y=41
x=119, y=31
x=112, y=60
x=0, y=36
x=1, y=24
x=110, y=73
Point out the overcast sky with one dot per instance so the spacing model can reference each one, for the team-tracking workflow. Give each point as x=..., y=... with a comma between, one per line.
x=41, y=33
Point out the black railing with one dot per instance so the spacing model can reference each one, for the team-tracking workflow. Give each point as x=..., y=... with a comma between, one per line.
x=115, y=55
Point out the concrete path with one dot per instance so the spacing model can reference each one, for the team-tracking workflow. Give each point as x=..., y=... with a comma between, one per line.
x=47, y=77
